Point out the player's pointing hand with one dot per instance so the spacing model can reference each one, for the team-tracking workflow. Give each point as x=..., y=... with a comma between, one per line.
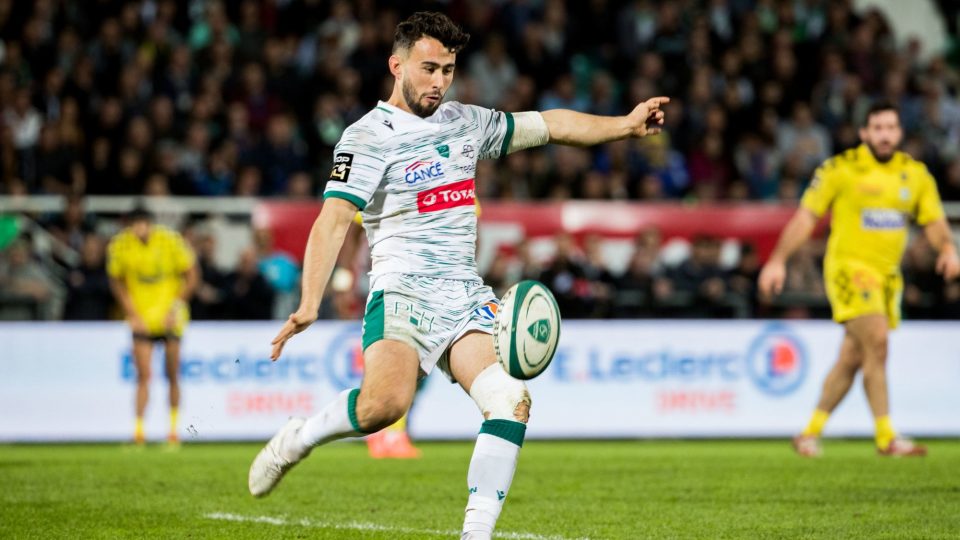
x=296, y=323
x=647, y=118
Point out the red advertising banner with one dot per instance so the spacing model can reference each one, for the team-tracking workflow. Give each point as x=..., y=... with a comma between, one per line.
x=758, y=224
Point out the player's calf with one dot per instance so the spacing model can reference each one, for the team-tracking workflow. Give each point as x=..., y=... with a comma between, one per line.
x=378, y=411
x=505, y=404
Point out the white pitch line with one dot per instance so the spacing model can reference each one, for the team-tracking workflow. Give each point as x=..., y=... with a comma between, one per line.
x=362, y=526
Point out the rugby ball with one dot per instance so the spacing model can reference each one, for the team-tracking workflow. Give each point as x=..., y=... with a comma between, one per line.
x=526, y=329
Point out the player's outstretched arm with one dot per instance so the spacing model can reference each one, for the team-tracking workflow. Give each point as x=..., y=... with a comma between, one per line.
x=797, y=231
x=940, y=237
x=580, y=129
x=323, y=246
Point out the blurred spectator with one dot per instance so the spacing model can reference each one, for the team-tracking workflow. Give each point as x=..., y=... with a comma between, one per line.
x=700, y=279
x=280, y=155
x=25, y=283
x=248, y=295
x=281, y=271
x=601, y=282
x=804, y=140
x=633, y=297
x=88, y=287
x=566, y=276
x=494, y=71
x=758, y=162
x=210, y=296
x=73, y=225
x=742, y=279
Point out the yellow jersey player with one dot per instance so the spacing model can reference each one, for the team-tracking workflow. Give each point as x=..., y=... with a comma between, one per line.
x=152, y=274
x=872, y=192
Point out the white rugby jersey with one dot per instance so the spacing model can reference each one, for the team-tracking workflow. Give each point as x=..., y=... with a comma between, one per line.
x=413, y=180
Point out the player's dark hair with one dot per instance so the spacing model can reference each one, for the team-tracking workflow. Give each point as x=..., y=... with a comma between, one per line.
x=878, y=107
x=430, y=24
x=139, y=213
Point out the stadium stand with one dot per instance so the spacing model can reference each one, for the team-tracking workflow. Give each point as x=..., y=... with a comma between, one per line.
x=186, y=101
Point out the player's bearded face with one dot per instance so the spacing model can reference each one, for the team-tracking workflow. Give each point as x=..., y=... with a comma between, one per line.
x=882, y=134
x=426, y=74
x=423, y=104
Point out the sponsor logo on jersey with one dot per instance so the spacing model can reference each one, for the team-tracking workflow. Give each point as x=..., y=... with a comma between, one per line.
x=488, y=311
x=443, y=150
x=449, y=196
x=419, y=171
x=882, y=219
x=342, y=163
x=468, y=151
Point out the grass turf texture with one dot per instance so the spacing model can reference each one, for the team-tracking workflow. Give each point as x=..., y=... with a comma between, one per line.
x=705, y=489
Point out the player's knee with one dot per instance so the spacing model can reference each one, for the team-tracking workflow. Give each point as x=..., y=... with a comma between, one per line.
x=876, y=344
x=500, y=396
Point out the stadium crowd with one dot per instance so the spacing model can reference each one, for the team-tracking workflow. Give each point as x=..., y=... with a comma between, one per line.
x=247, y=98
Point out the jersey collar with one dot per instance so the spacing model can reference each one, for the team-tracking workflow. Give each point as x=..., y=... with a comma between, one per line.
x=864, y=155
x=398, y=113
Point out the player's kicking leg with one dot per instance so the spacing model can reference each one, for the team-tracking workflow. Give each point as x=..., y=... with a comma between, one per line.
x=835, y=388
x=505, y=404
x=389, y=382
x=872, y=332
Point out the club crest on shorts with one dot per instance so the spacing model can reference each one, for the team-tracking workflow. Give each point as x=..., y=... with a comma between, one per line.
x=488, y=311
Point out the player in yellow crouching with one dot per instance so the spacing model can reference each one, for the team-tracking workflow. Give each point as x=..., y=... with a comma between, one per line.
x=152, y=275
x=873, y=191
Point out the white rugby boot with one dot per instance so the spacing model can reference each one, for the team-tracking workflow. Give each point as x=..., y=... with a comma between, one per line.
x=280, y=454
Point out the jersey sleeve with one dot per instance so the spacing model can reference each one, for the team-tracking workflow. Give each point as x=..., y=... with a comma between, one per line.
x=823, y=189
x=929, y=208
x=115, y=262
x=358, y=167
x=183, y=257
x=495, y=131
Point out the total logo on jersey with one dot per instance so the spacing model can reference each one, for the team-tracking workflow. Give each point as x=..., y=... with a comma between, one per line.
x=448, y=196
x=422, y=170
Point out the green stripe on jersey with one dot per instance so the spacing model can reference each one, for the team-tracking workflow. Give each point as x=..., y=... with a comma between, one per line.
x=384, y=109
x=507, y=430
x=349, y=197
x=508, y=136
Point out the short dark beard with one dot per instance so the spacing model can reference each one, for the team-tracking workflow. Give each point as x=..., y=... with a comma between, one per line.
x=410, y=96
x=878, y=157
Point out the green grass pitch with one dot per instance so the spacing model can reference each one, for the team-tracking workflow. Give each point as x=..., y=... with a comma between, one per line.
x=685, y=489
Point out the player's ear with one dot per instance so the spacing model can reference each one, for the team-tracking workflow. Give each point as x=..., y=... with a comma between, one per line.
x=394, y=64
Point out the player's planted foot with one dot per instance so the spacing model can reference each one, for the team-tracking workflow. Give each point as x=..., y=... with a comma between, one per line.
x=903, y=447
x=280, y=454
x=807, y=446
x=399, y=446
x=173, y=443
